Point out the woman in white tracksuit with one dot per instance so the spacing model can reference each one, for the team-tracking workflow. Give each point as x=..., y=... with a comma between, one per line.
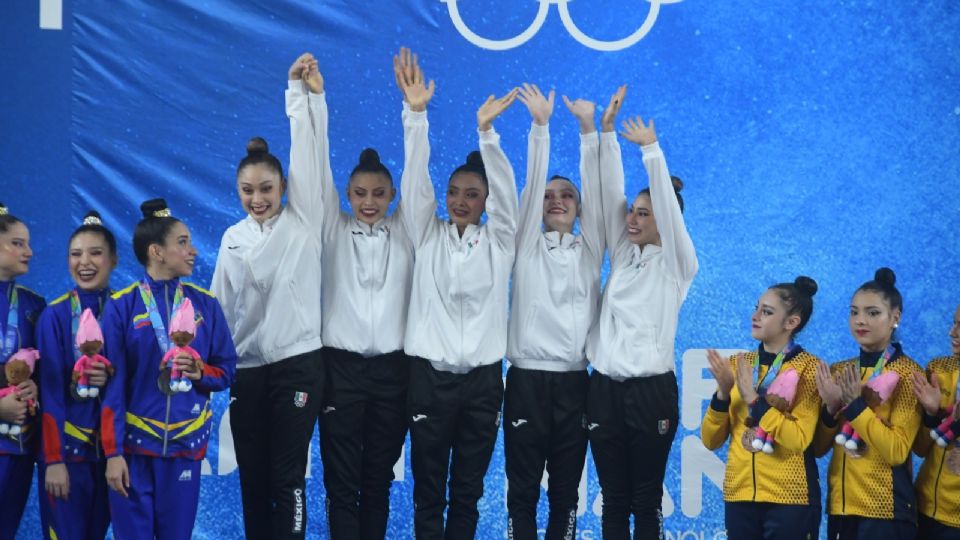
x=632, y=408
x=457, y=323
x=556, y=297
x=267, y=278
x=367, y=268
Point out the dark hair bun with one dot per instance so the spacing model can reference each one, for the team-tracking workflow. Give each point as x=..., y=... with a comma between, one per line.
x=151, y=207
x=885, y=276
x=474, y=159
x=369, y=158
x=677, y=184
x=94, y=214
x=806, y=285
x=257, y=144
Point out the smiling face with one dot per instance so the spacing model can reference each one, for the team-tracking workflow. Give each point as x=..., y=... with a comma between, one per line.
x=176, y=257
x=561, y=205
x=641, y=226
x=90, y=261
x=15, y=252
x=466, y=199
x=872, y=320
x=260, y=188
x=370, y=194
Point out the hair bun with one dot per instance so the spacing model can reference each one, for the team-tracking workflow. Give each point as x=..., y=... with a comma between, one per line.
x=155, y=208
x=475, y=159
x=369, y=158
x=885, y=276
x=806, y=285
x=3, y=209
x=257, y=144
x=677, y=184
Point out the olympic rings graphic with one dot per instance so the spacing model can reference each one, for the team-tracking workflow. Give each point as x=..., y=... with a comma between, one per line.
x=572, y=28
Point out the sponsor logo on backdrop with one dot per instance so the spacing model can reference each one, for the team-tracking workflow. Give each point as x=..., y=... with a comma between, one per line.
x=575, y=31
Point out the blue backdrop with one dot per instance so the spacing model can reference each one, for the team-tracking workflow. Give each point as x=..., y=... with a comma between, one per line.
x=814, y=138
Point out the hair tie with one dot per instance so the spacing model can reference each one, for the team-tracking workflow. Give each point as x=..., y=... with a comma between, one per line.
x=162, y=213
x=92, y=220
x=3, y=210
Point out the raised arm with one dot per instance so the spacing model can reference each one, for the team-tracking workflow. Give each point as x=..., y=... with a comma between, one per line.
x=538, y=161
x=591, y=206
x=418, y=202
x=502, y=201
x=305, y=195
x=612, y=182
x=678, y=250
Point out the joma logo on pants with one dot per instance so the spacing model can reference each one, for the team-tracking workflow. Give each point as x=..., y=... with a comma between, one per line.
x=298, y=510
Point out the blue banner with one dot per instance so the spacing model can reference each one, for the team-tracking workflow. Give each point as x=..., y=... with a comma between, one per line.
x=813, y=138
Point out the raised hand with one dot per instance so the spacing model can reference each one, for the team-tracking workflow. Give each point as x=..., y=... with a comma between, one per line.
x=312, y=76
x=410, y=80
x=493, y=107
x=827, y=387
x=608, y=120
x=540, y=107
x=584, y=111
x=722, y=372
x=928, y=393
x=636, y=132
x=296, y=69
x=745, y=380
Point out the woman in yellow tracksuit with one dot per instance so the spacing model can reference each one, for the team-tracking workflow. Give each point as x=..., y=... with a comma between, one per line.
x=773, y=492
x=938, y=484
x=869, y=400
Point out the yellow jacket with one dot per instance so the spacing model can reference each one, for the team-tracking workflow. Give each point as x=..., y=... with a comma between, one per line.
x=789, y=475
x=878, y=484
x=938, y=488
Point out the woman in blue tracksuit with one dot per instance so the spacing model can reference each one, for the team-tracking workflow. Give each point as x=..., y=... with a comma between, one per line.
x=71, y=481
x=19, y=309
x=154, y=441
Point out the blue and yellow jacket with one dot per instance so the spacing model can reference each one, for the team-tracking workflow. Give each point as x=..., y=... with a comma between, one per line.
x=30, y=304
x=789, y=475
x=136, y=417
x=878, y=484
x=938, y=489
x=71, y=427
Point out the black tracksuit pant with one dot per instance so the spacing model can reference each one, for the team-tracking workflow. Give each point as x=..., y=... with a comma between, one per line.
x=631, y=425
x=454, y=419
x=861, y=528
x=544, y=427
x=273, y=411
x=362, y=427
x=931, y=529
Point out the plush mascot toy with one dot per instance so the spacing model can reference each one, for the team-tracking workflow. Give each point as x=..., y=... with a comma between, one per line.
x=946, y=432
x=18, y=369
x=876, y=392
x=780, y=396
x=89, y=342
x=183, y=328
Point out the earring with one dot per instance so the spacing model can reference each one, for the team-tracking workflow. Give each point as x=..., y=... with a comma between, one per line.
x=896, y=325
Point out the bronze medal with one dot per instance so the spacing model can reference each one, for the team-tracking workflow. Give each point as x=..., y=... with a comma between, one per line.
x=747, y=439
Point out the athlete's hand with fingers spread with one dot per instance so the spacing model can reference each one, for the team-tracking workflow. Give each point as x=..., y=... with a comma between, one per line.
x=608, y=120
x=411, y=81
x=635, y=131
x=722, y=372
x=493, y=107
x=928, y=393
x=827, y=387
x=118, y=476
x=540, y=107
x=584, y=111
x=850, y=383
x=745, y=380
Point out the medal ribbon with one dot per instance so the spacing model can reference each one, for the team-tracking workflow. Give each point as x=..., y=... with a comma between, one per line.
x=761, y=385
x=11, y=337
x=155, y=320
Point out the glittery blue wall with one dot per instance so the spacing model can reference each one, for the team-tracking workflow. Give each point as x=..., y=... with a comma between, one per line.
x=814, y=138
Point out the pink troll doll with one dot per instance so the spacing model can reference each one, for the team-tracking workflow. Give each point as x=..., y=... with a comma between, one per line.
x=183, y=328
x=18, y=369
x=876, y=392
x=780, y=396
x=89, y=342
